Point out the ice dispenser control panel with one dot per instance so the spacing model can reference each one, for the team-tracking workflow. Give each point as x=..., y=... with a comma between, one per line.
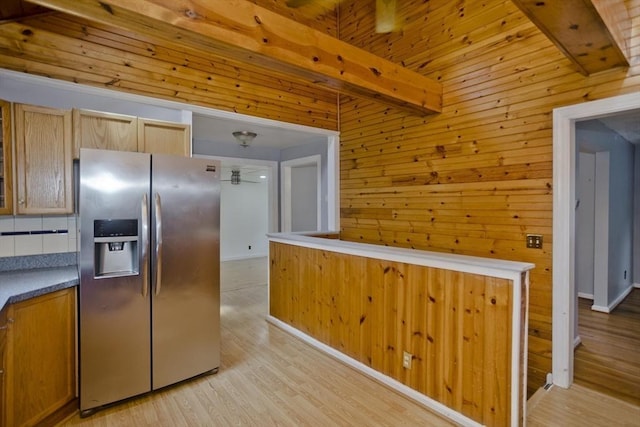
x=116, y=247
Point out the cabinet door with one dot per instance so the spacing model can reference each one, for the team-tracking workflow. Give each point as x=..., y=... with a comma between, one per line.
x=6, y=172
x=43, y=160
x=155, y=136
x=40, y=357
x=106, y=131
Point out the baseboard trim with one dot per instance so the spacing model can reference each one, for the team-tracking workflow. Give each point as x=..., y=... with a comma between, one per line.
x=620, y=298
x=600, y=308
x=372, y=373
x=585, y=295
x=614, y=303
x=243, y=257
x=636, y=285
x=577, y=341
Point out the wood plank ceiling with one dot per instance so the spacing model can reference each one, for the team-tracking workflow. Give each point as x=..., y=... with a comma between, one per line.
x=249, y=33
x=591, y=33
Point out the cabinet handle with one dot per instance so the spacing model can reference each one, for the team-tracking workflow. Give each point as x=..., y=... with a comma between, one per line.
x=158, y=212
x=144, y=216
x=21, y=201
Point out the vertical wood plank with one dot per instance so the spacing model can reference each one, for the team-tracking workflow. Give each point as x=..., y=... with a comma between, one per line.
x=367, y=316
x=415, y=335
x=378, y=316
x=456, y=325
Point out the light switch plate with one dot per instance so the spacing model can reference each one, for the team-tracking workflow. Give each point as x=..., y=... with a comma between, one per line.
x=534, y=241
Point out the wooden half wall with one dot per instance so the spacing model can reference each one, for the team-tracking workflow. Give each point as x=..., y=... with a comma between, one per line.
x=457, y=326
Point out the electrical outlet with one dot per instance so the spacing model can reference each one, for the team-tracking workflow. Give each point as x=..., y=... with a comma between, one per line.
x=249, y=247
x=534, y=241
x=406, y=360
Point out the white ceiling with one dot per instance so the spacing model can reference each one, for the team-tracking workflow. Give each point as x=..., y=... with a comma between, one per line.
x=626, y=124
x=219, y=130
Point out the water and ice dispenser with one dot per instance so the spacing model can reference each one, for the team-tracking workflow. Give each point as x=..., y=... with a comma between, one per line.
x=115, y=247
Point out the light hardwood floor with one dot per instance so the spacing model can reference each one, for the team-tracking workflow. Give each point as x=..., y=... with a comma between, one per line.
x=579, y=406
x=608, y=359
x=269, y=377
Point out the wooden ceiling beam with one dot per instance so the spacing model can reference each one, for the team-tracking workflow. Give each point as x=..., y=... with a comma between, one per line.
x=593, y=34
x=241, y=30
x=16, y=10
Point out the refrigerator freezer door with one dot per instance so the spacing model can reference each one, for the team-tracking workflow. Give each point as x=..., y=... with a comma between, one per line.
x=186, y=302
x=114, y=338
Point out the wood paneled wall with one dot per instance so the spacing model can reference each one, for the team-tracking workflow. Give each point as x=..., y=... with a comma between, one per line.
x=456, y=325
x=478, y=177
x=68, y=48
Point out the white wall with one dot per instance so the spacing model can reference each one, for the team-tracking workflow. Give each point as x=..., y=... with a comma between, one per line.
x=243, y=220
x=592, y=136
x=54, y=94
x=621, y=197
x=307, y=151
x=585, y=223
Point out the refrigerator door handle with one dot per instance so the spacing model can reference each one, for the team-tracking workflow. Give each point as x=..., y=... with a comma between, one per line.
x=158, y=211
x=144, y=224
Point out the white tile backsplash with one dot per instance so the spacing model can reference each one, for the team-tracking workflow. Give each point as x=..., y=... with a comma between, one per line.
x=55, y=243
x=36, y=244
x=27, y=223
x=6, y=223
x=28, y=245
x=55, y=222
x=7, y=246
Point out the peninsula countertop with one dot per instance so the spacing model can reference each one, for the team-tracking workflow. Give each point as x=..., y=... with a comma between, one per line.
x=20, y=285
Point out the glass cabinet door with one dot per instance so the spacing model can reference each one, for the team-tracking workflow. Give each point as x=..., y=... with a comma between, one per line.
x=6, y=196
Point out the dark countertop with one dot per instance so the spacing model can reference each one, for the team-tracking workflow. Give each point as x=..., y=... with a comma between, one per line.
x=24, y=283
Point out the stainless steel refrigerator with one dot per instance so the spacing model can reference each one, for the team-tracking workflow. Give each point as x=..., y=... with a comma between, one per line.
x=149, y=296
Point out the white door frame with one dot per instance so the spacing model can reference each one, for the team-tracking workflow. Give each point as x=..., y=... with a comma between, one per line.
x=285, y=188
x=601, y=234
x=564, y=199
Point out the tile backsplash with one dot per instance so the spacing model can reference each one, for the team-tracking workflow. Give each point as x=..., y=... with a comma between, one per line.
x=37, y=234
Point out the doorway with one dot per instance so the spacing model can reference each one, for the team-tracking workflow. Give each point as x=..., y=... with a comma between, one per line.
x=564, y=221
x=301, y=194
x=592, y=228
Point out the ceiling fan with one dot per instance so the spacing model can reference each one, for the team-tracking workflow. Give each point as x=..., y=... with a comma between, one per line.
x=235, y=178
x=386, y=20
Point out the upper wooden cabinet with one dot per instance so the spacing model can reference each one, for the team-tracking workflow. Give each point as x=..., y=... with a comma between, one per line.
x=44, y=160
x=6, y=172
x=107, y=131
x=94, y=129
x=155, y=136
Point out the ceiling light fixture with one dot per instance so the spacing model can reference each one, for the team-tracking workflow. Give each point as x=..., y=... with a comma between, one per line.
x=235, y=177
x=386, y=16
x=244, y=137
